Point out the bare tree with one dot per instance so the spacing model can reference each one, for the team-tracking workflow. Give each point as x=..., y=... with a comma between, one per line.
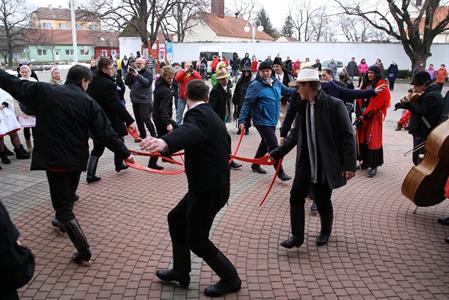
x=13, y=16
x=184, y=16
x=301, y=14
x=245, y=9
x=416, y=31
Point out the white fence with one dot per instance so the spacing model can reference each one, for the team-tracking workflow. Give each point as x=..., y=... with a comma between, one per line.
x=342, y=51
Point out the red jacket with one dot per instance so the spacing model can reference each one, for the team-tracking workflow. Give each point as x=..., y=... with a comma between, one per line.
x=183, y=78
x=254, y=65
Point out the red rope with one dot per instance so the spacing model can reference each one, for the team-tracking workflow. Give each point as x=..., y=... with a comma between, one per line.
x=150, y=170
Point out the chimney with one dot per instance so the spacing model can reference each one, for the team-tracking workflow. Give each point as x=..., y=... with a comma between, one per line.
x=217, y=8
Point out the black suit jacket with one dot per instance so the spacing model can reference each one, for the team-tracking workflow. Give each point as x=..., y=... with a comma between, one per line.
x=218, y=100
x=207, y=145
x=104, y=91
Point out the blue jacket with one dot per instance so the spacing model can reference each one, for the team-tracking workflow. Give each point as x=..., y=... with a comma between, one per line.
x=263, y=102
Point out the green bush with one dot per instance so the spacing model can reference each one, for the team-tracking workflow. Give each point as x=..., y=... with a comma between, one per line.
x=404, y=74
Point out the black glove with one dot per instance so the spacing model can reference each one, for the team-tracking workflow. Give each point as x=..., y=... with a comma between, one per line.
x=5, y=104
x=399, y=105
x=276, y=154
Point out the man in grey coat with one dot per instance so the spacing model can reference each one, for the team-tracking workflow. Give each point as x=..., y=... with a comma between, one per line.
x=326, y=156
x=139, y=80
x=352, y=68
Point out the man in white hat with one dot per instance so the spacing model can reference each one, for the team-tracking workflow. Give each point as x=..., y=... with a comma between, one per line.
x=219, y=100
x=326, y=154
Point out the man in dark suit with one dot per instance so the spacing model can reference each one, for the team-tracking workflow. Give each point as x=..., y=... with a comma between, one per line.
x=207, y=145
x=104, y=90
x=326, y=156
x=219, y=100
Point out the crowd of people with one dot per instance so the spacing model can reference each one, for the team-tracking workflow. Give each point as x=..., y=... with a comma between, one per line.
x=90, y=104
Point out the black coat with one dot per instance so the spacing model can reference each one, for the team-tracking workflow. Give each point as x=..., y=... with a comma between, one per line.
x=163, y=103
x=65, y=117
x=16, y=262
x=207, y=146
x=334, y=136
x=429, y=107
x=218, y=100
x=103, y=90
x=240, y=90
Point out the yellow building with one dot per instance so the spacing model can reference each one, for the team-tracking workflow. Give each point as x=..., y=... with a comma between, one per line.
x=59, y=18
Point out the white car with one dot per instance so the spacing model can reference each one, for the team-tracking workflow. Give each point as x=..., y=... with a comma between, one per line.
x=340, y=65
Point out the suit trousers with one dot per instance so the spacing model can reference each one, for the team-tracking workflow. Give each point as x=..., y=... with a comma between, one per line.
x=142, y=114
x=98, y=151
x=63, y=186
x=300, y=188
x=269, y=140
x=190, y=221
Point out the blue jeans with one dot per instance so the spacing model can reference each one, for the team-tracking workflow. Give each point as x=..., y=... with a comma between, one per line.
x=180, y=110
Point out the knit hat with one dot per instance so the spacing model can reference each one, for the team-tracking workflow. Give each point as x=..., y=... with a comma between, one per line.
x=376, y=71
x=421, y=78
x=265, y=65
x=278, y=61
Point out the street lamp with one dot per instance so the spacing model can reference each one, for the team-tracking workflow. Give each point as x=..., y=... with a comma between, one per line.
x=250, y=26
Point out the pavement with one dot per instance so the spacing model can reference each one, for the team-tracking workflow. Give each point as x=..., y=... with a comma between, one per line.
x=379, y=247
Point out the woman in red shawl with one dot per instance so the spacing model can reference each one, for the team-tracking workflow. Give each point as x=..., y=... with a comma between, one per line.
x=371, y=114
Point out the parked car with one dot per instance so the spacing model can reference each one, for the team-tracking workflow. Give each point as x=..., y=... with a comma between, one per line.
x=340, y=65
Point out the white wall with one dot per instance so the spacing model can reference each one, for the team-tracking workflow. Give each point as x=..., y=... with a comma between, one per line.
x=343, y=51
x=200, y=32
x=129, y=45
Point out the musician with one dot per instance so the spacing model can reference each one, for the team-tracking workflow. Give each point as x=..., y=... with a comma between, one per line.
x=326, y=154
x=426, y=112
x=207, y=146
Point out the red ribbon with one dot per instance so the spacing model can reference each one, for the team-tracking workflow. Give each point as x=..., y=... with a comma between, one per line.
x=447, y=188
x=242, y=133
x=150, y=170
x=264, y=160
x=134, y=134
x=272, y=183
x=168, y=159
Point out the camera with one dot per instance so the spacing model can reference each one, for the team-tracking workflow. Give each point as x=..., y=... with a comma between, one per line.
x=132, y=70
x=190, y=69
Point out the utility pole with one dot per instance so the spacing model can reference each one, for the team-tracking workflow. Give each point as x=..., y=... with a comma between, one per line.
x=74, y=41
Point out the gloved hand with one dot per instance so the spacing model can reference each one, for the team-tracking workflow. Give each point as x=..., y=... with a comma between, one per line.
x=399, y=105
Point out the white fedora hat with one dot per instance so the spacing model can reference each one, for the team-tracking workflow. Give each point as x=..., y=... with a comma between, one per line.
x=306, y=75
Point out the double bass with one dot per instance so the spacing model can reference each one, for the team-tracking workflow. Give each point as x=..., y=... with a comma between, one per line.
x=425, y=183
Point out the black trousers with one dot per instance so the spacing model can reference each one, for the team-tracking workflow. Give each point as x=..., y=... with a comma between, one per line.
x=190, y=221
x=98, y=151
x=28, y=131
x=63, y=186
x=417, y=140
x=269, y=140
x=142, y=114
x=300, y=188
x=162, y=128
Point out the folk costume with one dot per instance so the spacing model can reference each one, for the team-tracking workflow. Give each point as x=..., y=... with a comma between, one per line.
x=371, y=113
x=207, y=145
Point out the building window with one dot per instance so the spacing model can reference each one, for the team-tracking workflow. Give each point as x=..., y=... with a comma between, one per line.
x=84, y=51
x=62, y=26
x=104, y=53
x=92, y=27
x=78, y=26
x=46, y=25
x=69, y=52
x=42, y=52
x=113, y=53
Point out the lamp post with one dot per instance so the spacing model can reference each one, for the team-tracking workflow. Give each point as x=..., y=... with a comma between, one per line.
x=250, y=26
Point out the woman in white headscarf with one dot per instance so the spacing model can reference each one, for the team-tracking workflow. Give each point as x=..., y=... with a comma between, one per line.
x=25, y=116
x=55, y=74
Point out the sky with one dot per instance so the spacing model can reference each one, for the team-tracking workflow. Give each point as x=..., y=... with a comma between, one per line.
x=276, y=12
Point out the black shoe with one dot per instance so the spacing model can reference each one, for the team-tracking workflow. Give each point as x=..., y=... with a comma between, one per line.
x=293, y=241
x=398, y=128
x=153, y=164
x=229, y=279
x=235, y=165
x=171, y=275
x=444, y=221
x=222, y=287
x=258, y=169
x=363, y=166
x=92, y=169
x=9, y=152
x=79, y=240
x=372, y=172
x=447, y=239
x=238, y=132
x=4, y=157
x=21, y=153
x=326, y=229
x=55, y=222
x=121, y=167
x=76, y=198
x=282, y=176
x=246, y=131
x=314, y=208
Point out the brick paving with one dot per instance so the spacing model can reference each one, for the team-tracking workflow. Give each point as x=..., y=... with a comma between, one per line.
x=379, y=248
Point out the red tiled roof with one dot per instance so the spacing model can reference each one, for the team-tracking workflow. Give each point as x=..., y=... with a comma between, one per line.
x=64, y=37
x=231, y=27
x=440, y=13
x=45, y=13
